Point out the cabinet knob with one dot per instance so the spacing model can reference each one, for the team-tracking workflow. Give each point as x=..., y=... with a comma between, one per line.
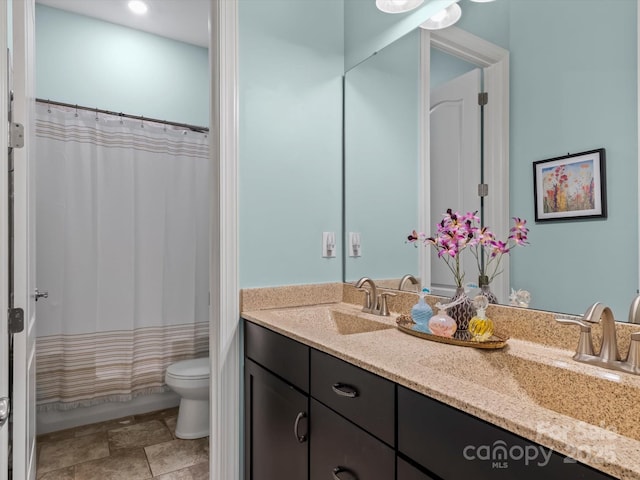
x=341, y=473
x=300, y=438
x=344, y=390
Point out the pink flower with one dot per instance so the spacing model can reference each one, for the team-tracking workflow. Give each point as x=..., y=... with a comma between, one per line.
x=455, y=232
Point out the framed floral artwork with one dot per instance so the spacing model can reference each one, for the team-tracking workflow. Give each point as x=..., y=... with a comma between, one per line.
x=571, y=187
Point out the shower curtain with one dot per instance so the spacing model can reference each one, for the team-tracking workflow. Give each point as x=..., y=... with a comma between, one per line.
x=122, y=247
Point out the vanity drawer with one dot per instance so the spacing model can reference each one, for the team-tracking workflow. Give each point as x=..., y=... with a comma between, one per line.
x=285, y=357
x=363, y=397
x=337, y=443
x=453, y=444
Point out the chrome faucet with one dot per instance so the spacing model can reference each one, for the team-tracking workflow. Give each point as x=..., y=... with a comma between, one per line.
x=370, y=298
x=599, y=313
x=407, y=278
x=374, y=303
x=634, y=310
x=608, y=356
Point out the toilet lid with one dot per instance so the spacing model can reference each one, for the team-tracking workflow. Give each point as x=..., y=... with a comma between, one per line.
x=196, y=368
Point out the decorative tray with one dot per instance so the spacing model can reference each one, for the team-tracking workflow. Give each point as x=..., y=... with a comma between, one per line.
x=462, y=337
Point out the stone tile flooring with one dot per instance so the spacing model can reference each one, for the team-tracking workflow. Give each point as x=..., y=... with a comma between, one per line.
x=130, y=448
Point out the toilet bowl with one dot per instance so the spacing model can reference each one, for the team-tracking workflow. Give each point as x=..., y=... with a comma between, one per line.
x=190, y=380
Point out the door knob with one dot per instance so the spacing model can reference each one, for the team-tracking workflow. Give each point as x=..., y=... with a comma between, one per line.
x=39, y=294
x=5, y=409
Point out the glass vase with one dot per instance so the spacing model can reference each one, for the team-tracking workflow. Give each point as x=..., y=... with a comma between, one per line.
x=462, y=312
x=485, y=289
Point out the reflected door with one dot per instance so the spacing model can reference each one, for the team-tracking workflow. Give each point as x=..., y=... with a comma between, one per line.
x=455, y=119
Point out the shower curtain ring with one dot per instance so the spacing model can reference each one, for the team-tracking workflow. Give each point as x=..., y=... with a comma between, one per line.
x=97, y=118
x=76, y=110
x=48, y=105
x=141, y=121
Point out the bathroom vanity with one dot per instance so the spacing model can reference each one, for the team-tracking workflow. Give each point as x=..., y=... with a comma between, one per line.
x=336, y=395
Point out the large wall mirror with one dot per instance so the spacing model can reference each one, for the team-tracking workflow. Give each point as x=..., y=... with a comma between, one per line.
x=572, y=88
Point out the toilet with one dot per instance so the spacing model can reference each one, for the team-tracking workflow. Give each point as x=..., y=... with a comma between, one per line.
x=190, y=380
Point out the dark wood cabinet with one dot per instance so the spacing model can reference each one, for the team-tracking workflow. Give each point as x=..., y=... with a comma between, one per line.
x=453, y=444
x=276, y=427
x=281, y=355
x=364, y=398
x=309, y=415
x=406, y=471
x=342, y=450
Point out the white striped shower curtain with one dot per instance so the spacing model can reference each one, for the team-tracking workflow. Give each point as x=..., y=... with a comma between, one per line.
x=122, y=247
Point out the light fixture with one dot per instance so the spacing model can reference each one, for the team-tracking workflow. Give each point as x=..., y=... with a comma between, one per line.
x=444, y=18
x=398, y=6
x=138, y=7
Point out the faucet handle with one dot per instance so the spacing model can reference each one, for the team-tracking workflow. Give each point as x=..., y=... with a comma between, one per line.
x=384, y=307
x=585, y=344
x=584, y=326
x=633, y=359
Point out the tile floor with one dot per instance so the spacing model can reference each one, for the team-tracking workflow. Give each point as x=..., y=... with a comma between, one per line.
x=130, y=448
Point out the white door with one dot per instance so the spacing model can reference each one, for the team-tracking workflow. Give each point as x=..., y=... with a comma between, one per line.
x=455, y=163
x=4, y=238
x=23, y=441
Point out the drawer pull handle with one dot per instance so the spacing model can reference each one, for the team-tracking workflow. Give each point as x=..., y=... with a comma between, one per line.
x=341, y=473
x=344, y=390
x=300, y=438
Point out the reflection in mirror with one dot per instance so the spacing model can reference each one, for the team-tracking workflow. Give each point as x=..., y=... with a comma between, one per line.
x=382, y=140
x=552, y=74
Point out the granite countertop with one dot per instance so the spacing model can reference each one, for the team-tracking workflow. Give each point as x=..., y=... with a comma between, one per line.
x=536, y=391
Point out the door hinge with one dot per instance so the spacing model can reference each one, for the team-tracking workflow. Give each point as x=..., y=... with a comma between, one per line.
x=483, y=98
x=16, y=320
x=16, y=135
x=483, y=189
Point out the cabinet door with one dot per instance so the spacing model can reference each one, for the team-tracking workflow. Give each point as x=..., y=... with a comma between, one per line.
x=342, y=451
x=276, y=427
x=409, y=472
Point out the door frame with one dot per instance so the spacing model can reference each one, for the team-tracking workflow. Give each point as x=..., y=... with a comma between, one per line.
x=4, y=239
x=494, y=61
x=224, y=330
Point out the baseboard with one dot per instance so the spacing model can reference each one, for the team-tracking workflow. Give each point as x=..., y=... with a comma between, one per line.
x=53, y=421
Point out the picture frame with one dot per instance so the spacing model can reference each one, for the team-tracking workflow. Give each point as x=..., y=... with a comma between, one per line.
x=571, y=187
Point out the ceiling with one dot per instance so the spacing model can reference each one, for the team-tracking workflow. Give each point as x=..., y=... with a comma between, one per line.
x=183, y=20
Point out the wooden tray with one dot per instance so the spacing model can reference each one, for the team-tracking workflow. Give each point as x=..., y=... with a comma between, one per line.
x=461, y=338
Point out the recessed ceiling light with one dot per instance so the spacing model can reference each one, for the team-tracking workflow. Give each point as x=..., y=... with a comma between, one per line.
x=138, y=7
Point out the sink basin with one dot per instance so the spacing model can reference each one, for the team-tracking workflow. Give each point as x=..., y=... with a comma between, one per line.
x=555, y=385
x=348, y=324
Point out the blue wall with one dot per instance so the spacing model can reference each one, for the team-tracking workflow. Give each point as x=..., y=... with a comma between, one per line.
x=291, y=66
x=84, y=61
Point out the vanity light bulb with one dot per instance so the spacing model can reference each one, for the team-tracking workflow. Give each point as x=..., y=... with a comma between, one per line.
x=438, y=17
x=398, y=6
x=137, y=7
x=443, y=19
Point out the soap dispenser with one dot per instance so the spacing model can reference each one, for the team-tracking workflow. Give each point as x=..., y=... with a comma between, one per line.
x=421, y=312
x=480, y=326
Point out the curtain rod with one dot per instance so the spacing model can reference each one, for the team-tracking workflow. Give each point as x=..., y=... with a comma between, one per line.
x=194, y=128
